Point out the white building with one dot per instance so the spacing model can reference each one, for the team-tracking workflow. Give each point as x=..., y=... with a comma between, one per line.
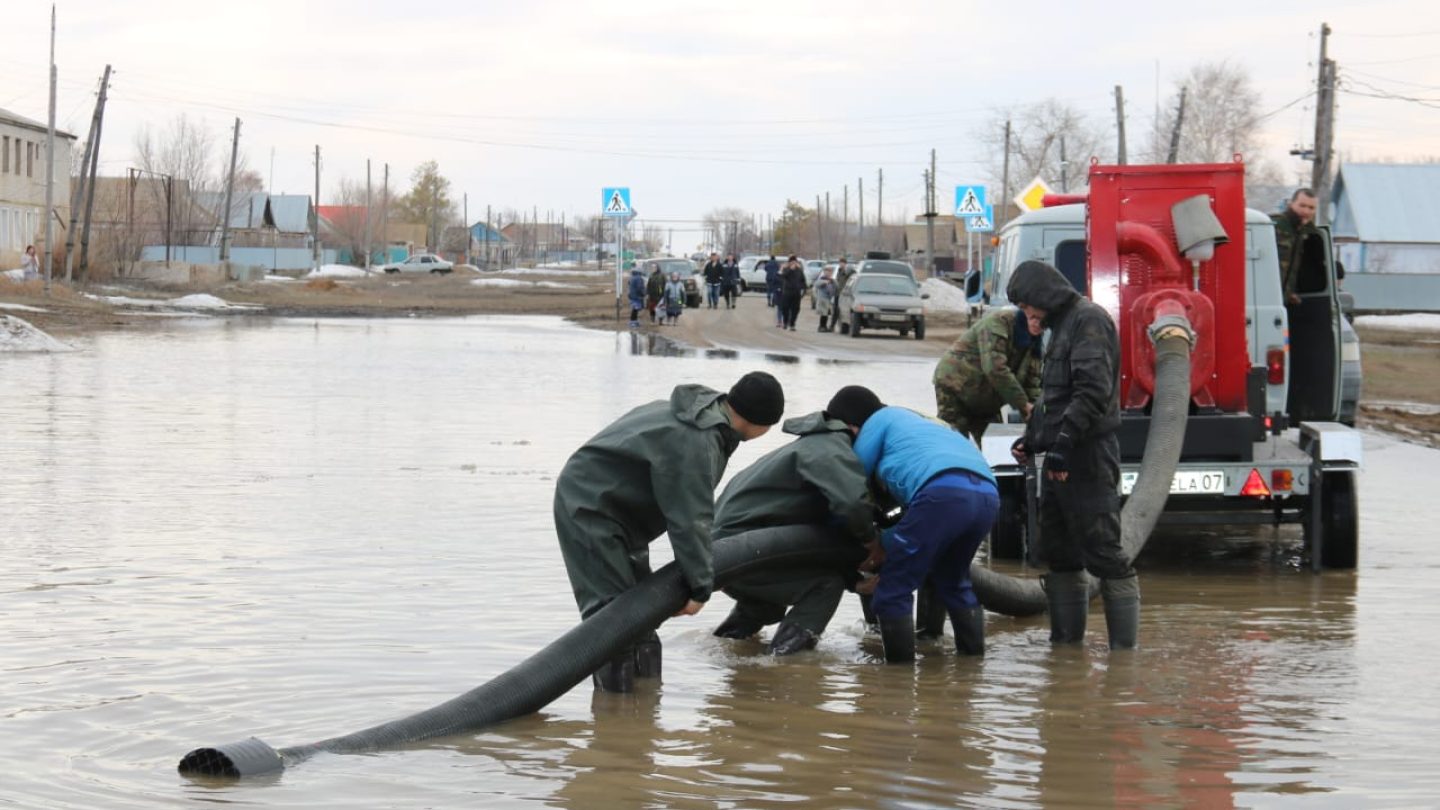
x=23, y=165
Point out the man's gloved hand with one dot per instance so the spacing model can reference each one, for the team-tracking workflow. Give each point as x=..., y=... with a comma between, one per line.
x=1020, y=451
x=1057, y=458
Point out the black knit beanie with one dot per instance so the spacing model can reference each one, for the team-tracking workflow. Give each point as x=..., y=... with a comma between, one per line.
x=757, y=398
x=853, y=404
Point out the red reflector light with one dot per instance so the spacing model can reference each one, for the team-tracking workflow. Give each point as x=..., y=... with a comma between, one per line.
x=1255, y=486
x=1275, y=365
x=1282, y=480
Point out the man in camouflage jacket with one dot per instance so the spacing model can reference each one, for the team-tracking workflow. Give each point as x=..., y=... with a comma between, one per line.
x=1293, y=227
x=996, y=362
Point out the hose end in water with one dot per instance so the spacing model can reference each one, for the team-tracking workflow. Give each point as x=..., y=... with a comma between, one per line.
x=244, y=758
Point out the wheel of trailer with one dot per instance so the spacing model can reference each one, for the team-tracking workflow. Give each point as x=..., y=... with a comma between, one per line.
x=1007, y=536
x=854, y=325
x=1339, y=539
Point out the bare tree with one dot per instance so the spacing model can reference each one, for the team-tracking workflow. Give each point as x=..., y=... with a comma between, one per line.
x=347, y=229
x=190, y=153
x=1035, y=134
x=730, y=229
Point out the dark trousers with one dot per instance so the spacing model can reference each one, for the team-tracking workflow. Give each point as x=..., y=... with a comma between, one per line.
x=1074, y=538
x=727, y=291
x=789, y=308
x=712, y=294
x=812, y=595
x=938, y=536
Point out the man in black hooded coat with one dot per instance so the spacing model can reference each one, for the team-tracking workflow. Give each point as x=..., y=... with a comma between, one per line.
x=1075, y=426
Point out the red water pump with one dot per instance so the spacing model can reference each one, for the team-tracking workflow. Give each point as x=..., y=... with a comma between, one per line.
x=1170, y=240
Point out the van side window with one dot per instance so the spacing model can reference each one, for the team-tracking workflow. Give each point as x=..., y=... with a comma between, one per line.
x=1070, y=261
x=1313, y=276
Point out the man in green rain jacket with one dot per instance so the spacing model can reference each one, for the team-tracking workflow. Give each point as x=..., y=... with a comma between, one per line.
x=654, y=470
x=996, y=362
x=815, y=479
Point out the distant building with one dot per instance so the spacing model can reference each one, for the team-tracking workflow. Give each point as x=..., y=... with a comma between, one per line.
x=487, y=243
x=1386, y=217
x=23, y=168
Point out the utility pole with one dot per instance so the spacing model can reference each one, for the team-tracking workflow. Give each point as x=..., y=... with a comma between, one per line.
x=860, y=197
x=1324, y=128
x=1064, y=168
x=315, y=209
x=1005, y=178
x=819, y=226
x=385, y=212
x=50, y=164
x=880, y=199
x=368, y=249
x=1174, y=154
x=465, y=207
x=77, y=199
x=845, y=223
x=1120, y=122
x=488, y=237
x=229, y=197
x=930, y=215
x=827, y=213
x=94, y=169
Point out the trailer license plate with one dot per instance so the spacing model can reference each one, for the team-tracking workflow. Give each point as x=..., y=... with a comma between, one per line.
x=1185, y=482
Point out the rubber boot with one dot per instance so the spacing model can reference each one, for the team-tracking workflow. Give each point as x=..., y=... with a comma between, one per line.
x=1069, y=604
x=868, y=612
x=738, y=625
x=823, y=319
x=792, y=638
x=617, y=674
x=897, y=633
x=647, y=657
x=969, y=624
x=929, y=613
x=1122, y=611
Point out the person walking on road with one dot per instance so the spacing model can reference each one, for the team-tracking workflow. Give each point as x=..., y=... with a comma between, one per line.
x=714, y=277
x=816, y=479
x=653, y=471
x=674, y=299
x=772, y=286
x=996, y=362
x=792, y=289
x=654, y=291
x=826, y=291
x=729, y=280
x=637, y=295
x=1076, y=426
x=950, y=502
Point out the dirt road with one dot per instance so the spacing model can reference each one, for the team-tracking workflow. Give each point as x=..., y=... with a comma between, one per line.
x=751, y=326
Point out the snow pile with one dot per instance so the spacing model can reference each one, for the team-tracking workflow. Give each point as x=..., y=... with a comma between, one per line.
x=14, y=275
x=21, y=308
x=196, y=301
x=553, y=270
x=515, y=282
x=337, y=271
x=202, y=301
x=19, y=336
x=944, y=296
x=1413, y=322
x=279, y=279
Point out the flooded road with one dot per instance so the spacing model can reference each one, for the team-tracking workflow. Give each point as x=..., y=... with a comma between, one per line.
x=294, y=529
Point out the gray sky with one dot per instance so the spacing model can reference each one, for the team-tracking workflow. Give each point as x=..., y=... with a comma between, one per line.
x=694, y=104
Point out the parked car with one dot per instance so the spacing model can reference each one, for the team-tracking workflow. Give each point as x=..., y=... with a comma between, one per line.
x=813, y=267
x=419, y=263
x=882, y=300
x=752, y=270
x=694, y=283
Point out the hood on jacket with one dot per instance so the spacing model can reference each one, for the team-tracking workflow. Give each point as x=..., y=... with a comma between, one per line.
x=813, y=423
x=1040, y=285
x=694, y=405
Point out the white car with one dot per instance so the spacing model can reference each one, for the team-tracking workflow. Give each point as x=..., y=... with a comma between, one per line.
x=419, y=263
x=752, y=271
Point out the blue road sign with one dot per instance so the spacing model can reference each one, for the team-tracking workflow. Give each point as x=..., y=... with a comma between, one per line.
x=985, y=223
x=970, y=201
x=615, y=201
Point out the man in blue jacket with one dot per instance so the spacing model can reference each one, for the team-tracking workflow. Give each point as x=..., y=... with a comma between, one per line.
x=950, y=503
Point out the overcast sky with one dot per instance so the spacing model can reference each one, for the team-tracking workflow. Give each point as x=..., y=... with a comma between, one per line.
x=693, y=105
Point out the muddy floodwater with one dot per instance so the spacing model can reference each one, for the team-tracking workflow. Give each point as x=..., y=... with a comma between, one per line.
x=292, y=529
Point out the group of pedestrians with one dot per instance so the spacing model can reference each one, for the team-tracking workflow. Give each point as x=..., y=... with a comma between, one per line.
x=722, y=281
x=662, y=298
x=656, y=468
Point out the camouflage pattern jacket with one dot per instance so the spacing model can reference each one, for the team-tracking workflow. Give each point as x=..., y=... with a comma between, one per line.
x=986, y=368
x=1290, y=236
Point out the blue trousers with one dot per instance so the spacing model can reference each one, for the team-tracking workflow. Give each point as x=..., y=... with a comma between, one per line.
x=712, y=294
x=938, y=537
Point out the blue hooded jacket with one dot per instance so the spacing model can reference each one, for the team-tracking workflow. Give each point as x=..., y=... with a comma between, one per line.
x=905, y=450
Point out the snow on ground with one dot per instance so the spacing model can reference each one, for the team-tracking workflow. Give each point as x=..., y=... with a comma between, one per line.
x=944, y=296
x=14, y=275
x=1414, y=322
x=515, y=282
x=553, y=270
x=21, y=308
x=279, y=279
x=17, y=335
x=336, y=271
x=196, y=301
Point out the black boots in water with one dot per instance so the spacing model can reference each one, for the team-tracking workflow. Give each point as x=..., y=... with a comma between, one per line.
x=738, y=625
x=617, y=674
x=792, y=638
x=929, y=612
x=1069, y=601
x=1122, y=611
x=969, y=624
x=647, y=657
x=897, y=633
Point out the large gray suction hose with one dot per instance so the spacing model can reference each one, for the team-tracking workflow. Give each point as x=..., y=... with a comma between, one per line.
x=1173, y=337
x=554, y=670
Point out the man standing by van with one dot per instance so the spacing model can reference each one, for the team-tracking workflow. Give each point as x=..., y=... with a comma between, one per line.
x=1293, y=227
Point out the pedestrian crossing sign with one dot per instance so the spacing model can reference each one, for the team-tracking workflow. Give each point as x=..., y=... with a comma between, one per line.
x=985, y=223
x=615, y=201
x=970, y=201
